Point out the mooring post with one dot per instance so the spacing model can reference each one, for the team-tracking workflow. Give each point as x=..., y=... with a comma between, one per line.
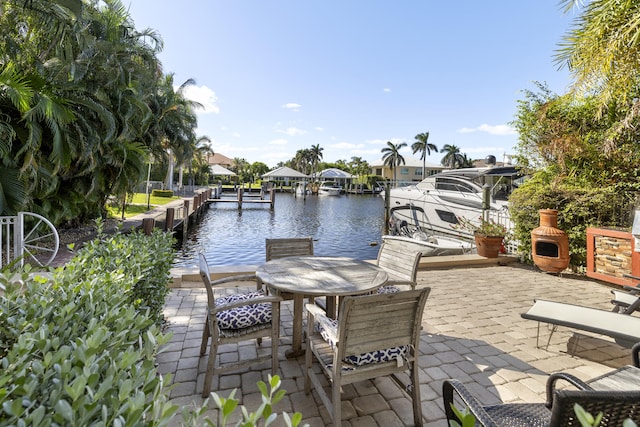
x=147, y=225
x=171, y=215
x=240, y=198
x=185, y=219
x=387, y=208
x=272, y=197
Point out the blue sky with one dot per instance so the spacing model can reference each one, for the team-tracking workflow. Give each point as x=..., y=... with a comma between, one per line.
x=281, y=75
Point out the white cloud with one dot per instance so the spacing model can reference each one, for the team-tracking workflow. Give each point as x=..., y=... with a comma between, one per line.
x=291, y=131
x=292, y=106
x=280, y=141
x=204, y=96
x=319, y=129
x=383, y=142
x=235, y=135
x=492, y=130
x=346, y=146
x=386, y=89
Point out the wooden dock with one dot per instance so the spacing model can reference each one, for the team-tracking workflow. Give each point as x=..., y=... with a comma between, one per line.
x=242, y=197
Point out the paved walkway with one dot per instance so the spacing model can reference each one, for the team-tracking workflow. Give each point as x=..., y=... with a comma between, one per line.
x=472, y=331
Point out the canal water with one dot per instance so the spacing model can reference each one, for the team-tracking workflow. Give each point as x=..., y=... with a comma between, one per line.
x=347, y=225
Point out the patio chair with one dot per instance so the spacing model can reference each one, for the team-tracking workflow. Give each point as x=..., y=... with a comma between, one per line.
x=375, y=335
x=286, y=247
x=401, y=266
x=235, y=318
x=558, y=410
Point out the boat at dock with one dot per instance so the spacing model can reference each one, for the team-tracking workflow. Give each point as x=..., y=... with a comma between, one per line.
x=458, y=193
x=412, y=237
x=302, y=189
x=329, y=188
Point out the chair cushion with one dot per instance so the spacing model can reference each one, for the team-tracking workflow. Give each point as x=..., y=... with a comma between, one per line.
x=328, y=330
x=388, y=289
x=245, y=316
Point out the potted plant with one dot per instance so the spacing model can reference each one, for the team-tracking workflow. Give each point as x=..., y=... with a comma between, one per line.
x=488, y=234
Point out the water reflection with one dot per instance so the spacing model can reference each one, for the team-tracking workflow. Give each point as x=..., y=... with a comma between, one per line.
x=340, y=226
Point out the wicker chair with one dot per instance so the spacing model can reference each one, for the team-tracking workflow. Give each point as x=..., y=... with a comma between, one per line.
x=375, y=335
x=236, y=318
x=616, y=406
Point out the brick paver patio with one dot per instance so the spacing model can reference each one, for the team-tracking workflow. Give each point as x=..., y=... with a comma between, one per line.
x=472, y=331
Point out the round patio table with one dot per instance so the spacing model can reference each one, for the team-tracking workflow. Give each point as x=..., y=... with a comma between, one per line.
x=316, y=276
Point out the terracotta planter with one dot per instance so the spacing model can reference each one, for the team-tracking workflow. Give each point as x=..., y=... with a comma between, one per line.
x=488, y=246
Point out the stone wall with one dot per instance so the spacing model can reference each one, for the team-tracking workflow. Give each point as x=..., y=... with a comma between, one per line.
x=613, y=256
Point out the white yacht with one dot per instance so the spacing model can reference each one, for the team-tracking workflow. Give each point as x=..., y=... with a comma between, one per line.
x=448, y=195
x=412, y=237
x=329, y=188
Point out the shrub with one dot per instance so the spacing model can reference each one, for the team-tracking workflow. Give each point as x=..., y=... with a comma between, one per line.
x=143, y=262
x=162, y=193
x=80, y=348
x=77, y=352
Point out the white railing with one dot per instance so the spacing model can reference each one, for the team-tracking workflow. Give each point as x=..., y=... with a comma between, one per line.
x=27, y=237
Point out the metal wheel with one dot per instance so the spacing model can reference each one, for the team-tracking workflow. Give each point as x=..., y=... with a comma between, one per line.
x=39, y=240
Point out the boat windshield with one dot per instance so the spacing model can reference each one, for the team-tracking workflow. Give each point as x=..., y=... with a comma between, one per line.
x=501, y=180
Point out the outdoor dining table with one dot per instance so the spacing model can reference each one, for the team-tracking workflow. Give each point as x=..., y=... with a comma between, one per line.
x=316, y=276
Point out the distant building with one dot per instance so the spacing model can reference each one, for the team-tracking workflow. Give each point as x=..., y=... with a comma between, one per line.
x=411, y=171
x=336, y=175
x=219, y=159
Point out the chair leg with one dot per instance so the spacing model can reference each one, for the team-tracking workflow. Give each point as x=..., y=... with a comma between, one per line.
x=415, y=395
x=211, y=364
x=205, y=337
x=275, y=334
x=337, y=401
x=308, y=362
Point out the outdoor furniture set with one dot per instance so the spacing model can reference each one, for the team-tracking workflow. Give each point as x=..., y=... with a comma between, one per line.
x=292, y=272
x=354, y=345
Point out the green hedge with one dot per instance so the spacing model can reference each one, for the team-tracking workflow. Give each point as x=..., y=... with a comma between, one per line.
x=79, y=349
x=162, y=193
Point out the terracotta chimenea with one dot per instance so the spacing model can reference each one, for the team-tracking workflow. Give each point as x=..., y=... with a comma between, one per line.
x=549, y=244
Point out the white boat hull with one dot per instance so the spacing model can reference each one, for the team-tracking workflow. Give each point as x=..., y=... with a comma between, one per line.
x=444, y=201
x=433, y=246
x=329, y=191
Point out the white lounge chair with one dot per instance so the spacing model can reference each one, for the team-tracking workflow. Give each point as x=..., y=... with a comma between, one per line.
x=625, y=329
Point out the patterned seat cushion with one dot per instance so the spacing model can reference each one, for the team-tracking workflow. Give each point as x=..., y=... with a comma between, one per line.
x=245, y=316
x=328, y=330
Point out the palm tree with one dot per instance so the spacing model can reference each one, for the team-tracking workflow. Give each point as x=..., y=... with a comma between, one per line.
x=453, y=158
x=315, y=154
x=601, y=50
x=358, y=166
x=391, y=157
x=425, y=148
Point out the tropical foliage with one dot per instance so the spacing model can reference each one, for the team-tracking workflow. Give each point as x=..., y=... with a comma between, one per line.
x=80, y=346
x=391, y=156
x=590, y=182
x=84, y=106
x=424, y=147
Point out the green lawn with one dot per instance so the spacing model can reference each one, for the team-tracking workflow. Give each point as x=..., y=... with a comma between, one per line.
x=138, y=205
